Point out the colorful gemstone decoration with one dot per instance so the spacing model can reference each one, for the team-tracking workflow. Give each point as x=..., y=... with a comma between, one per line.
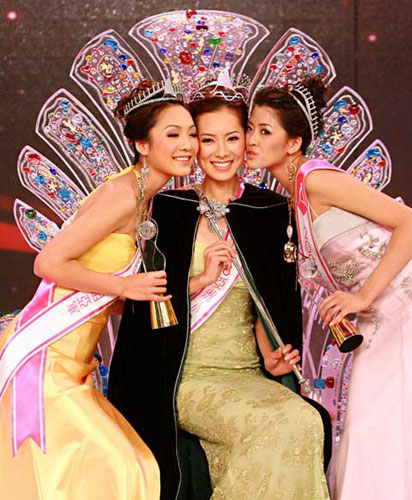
x=373, y=167
x=49, y=183
x=66, y=123
x=254, y=177
x=185, y=57
x=6, y=317
x=100, y=375
x=346, y=122
x=195, y=45
x=30, y=213
x=37, y=229
x=109, y=67
x=190, y=13
x=319, y=383
x=294, y=58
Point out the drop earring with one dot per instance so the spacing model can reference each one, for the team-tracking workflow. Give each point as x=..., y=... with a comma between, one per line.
x=145, y=171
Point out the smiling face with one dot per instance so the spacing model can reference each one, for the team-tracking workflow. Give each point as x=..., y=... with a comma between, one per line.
x=267, y=143
x=172, y=144
x=221, y=143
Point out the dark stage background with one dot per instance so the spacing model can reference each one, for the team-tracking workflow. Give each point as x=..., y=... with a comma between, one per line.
x=368, y=41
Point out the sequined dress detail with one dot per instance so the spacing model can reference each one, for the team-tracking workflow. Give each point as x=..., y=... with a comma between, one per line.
x=262, y=441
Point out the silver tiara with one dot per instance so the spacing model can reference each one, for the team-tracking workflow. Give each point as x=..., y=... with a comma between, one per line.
x=165, y=91
x=308, y=107
x=224, y=88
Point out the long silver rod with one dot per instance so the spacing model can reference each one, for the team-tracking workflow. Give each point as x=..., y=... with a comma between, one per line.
x=256, y=298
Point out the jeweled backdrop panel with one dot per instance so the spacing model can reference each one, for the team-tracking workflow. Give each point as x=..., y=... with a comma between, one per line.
x=367, y=41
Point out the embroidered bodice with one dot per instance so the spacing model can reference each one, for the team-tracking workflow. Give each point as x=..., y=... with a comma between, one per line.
x=351, y=245
x=225, y=341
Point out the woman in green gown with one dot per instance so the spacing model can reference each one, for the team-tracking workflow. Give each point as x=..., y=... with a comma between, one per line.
x=262, y=440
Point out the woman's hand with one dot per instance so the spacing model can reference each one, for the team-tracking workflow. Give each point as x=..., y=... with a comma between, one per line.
x=280, y=362
x=218, y=258
x=340, y=304
x=145, y=286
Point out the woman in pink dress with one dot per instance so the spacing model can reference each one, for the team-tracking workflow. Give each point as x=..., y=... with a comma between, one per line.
x=363, y=240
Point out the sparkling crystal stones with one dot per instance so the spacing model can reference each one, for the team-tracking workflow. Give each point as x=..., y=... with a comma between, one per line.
x=190, y=13
x=64, y=194
x=372, y=152
x=30, y=214
x=214, y=41
x=294, y=40
x=86, y=143
x=319, y=383
x=185, y=57
x=110, y=42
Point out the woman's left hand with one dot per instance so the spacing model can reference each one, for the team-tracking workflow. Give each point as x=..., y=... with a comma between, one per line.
x=280, y=362
x=340, y=304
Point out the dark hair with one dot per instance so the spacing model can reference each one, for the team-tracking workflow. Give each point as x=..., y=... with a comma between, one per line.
x=288, y=110
x=212, y=102
x=137, y=123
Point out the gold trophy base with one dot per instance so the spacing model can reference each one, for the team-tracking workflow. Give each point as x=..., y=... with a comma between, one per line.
x=347, y=336
x=162, y=314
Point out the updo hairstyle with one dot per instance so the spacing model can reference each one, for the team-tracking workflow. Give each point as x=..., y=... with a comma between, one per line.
x=291, y=117
x=137, y=123
x=212, y=102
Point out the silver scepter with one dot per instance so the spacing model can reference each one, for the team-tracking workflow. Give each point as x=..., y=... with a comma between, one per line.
x=212, y=223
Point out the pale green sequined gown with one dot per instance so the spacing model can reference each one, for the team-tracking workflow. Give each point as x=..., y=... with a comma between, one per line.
x=262, y=441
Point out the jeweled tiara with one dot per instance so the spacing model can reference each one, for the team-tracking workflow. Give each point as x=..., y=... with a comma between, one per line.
x=224, y=87
x=308, y=107
x=158, y=92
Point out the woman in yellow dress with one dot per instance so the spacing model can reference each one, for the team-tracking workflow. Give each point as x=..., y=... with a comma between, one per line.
x=88, y=450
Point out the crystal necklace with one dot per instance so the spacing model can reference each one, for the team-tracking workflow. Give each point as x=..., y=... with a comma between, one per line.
x=212, y=208
x=145, y=228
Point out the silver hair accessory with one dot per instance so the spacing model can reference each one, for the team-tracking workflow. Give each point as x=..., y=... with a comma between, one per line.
x=159, y=92
x=308, y=107
x=225, y=88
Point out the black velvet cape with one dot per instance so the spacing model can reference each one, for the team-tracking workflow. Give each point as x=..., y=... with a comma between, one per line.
x=147, y=364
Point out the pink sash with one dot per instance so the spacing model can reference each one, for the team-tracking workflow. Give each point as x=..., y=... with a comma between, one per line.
x=205, y=302
x=23, y=358
x=306, y=237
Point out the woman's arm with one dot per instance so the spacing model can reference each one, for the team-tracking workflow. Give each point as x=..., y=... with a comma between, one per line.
x=336, y=189
x=278, y=362
x=109, y=210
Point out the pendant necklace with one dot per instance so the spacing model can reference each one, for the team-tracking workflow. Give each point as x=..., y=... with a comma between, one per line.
x=212, y=209
x=146, y=229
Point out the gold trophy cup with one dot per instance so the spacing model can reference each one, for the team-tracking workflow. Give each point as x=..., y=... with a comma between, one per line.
x=346, y=334
x=161, y=313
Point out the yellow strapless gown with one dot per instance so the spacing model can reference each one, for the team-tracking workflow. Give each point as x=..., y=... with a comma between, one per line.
x=92, y=451
x=262, y=441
